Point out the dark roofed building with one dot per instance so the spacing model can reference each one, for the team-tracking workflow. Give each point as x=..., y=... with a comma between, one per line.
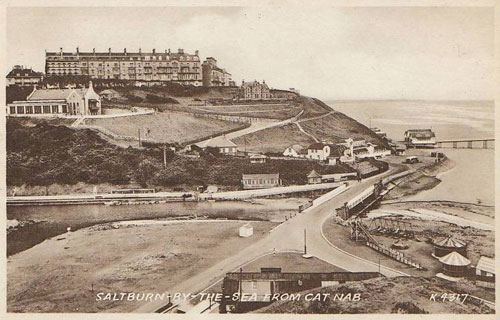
x=262, y=285
x=420, y=138
x=254, y=91
x=21, y=76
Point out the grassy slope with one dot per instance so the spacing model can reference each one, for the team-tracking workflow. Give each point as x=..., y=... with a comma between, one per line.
x=337, y=127
x=274, y=139
x=170, y=127
x=45, y=154
x=333, y=127
x=382, y=295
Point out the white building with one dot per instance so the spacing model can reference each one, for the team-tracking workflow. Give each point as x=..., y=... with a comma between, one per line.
x=223, y=144
x=420, y=138
x=70, y=101
x=359, y=149
x=295, y=151
x=246, y=231
x=318, y=151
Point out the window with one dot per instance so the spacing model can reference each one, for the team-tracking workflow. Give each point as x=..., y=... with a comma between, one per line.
x=29, y=109
x=55, y=109
x=254, y=285
x=20, y=110
x=46, y=109
x=38, y=109
x=64, y=109
x=12, y=110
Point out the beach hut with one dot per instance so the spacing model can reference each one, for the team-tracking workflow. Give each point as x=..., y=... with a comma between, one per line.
x=485, y=267
x=448, y=245
x=454, y=264
x=313, y=177
x=246, y=230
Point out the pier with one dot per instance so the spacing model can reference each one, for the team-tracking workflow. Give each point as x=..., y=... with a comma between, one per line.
x=488, y=143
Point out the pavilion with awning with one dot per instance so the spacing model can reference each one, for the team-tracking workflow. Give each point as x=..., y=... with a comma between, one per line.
x=455, y=265
x=448, y=245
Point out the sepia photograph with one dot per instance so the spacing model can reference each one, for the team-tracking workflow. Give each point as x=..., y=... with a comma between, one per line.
x=249, y=158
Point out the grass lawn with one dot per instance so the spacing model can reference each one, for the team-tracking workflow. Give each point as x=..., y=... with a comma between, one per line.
x=280, y=112
x=59, y=274
x=274, y=139
x=166, y=126
x=337, y=127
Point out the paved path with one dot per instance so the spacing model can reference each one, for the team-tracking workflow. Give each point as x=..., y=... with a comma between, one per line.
x=306, y=133
x=77, y=122
x=289, y=236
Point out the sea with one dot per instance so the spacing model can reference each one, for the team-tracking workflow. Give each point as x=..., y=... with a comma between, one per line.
x=472, y=179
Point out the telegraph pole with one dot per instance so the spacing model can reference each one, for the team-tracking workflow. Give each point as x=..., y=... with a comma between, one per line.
x=305, y=242
x=139, y=135
x=165, y=157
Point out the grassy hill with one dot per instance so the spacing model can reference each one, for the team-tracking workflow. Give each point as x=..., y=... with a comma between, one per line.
x=168, y=126
x=44, y=154
x=382, y=296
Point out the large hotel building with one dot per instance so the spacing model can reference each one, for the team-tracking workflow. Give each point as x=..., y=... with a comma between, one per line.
x=177, y=66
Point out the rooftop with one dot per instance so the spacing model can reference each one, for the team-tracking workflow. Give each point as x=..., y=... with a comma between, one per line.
x=486, y=264
x=19, y=71
x=261, y=176
x=454, y=259
x=217, y=142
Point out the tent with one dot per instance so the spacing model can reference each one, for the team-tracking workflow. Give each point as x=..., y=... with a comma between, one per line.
x=454, y=264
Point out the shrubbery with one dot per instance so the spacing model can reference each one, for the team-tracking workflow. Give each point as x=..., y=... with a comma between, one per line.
x=153, y=98
x=45, y=154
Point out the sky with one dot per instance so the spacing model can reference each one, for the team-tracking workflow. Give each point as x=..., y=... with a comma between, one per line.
x=329, y=52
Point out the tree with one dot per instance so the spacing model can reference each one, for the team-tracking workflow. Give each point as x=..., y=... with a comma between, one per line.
x=146, y=171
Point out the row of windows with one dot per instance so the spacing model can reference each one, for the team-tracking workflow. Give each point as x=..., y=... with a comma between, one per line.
x=143, y=58
x=37, y=109
x=260, y=181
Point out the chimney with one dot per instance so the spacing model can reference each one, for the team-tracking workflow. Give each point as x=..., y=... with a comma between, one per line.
x=77, y=50
x=125, y=50
x=109, y=51
x=61, y=51
x=139, y=50
x=93, y=50
x=169, y=51
x=180, y=51
x=154, y=51
x=196, y=52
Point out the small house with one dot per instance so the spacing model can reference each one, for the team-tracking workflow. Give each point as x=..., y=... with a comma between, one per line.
x=260, y=181
x=223, y=144
x=258, y=158
x=313, y=177
x=318, y=151
x=486, y=267
x=246, y=230
x=109, y=94
x=295, y=151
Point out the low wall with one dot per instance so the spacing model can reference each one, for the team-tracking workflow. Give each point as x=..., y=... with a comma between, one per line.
x=247, y=194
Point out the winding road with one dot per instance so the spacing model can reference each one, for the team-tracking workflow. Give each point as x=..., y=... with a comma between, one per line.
x=289, y=236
